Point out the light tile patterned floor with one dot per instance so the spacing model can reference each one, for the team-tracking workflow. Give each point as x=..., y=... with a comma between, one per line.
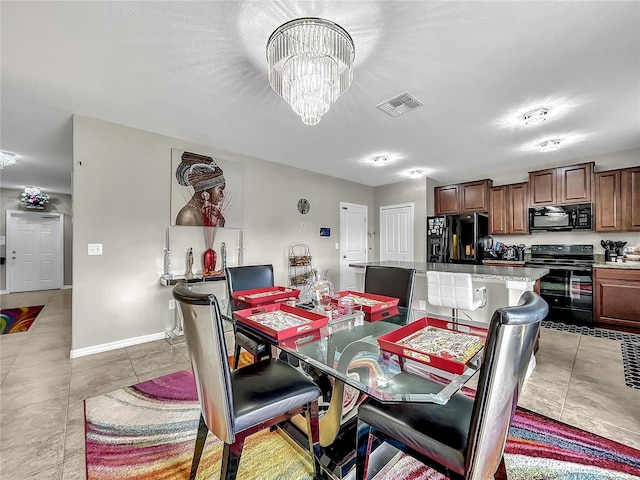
x=579, y=380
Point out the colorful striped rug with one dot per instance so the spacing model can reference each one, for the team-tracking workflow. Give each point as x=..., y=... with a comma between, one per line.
x=14, y=320
x=147, y=431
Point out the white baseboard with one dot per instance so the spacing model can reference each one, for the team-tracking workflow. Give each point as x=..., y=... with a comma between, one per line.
x=66, y=287
x=105, y=347
x=3, y=292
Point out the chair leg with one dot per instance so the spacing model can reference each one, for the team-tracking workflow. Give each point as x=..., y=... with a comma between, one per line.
x=363, y=450
x=501, y=473
x=231, y=459
x=201, y=437
x=313, y=435
x=236, y=356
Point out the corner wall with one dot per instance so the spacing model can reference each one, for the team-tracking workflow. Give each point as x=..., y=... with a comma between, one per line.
x=121, y=193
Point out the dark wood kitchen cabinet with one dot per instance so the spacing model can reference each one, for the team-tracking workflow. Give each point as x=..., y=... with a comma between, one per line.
x=508, y=209
x=608, y=200
x=462, y=198
x=447, y=200
x=630, y=195
x=614, y=294
x=562, y=185
x=617, y=200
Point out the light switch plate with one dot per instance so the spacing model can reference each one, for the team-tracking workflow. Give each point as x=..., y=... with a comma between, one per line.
x=95, y=249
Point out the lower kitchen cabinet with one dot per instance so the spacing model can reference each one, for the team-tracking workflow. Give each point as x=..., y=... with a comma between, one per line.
x=616, y=292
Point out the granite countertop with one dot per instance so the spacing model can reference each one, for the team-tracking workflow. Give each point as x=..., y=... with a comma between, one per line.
x=625, y=265
x=518, y=274
x=508, y=262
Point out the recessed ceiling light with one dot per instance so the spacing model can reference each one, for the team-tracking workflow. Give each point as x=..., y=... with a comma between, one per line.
x=415, y=173
x=550, y=145
x=534, y=117
x=7, y=158
x=380, y=160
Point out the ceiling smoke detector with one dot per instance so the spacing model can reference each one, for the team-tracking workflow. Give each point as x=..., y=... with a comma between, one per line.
x=535, y=117
x=400, y=104
x=550, y=145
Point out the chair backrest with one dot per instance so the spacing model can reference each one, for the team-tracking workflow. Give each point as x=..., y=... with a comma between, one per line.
x=248, y=277
x=512, y=334
x=453, y=290
x=394, y=282
x=204, y=335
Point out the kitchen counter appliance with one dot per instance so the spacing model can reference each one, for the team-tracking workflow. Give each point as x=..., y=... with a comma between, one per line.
x=568, y=287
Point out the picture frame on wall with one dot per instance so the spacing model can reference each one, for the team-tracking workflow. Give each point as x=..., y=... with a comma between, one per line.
x=205, y=191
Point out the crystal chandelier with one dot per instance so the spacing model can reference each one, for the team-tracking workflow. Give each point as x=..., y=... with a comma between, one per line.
x=310, y=65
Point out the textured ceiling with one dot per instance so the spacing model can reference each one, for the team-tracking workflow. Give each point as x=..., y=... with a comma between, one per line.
x=197, y=71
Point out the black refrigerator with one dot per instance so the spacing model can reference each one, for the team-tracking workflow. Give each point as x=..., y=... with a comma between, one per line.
x=457, y=238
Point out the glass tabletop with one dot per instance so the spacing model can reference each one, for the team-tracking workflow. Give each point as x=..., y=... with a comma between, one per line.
x=347, y=349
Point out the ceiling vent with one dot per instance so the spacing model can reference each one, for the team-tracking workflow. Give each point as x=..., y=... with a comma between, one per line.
x=400, y=104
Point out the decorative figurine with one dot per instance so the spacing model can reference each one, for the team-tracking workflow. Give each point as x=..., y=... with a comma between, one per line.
x=189, y=273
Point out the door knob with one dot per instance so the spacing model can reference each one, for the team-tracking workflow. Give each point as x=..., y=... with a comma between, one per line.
x=13, y=258
x=344, y=256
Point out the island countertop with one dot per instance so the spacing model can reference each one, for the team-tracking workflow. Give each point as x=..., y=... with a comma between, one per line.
x=488, y=272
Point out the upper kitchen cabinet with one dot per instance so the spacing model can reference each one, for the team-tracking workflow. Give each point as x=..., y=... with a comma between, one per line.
x=563, y=185
x=508, y=209
x=617, y=200
x=630, y=194
x=462, y=198
x=447, y=200
x=608, y=199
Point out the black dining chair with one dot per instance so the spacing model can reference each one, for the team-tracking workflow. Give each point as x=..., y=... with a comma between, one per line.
x=465, y=438
x=390, y=281
x=237, y=403
x=248, y=277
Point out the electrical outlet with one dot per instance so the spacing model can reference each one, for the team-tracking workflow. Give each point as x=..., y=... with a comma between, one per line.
x=95, y=249
x=423, y=305
x=172, y=304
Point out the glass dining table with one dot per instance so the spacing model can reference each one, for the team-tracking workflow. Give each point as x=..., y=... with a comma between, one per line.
x=346, y=359
x=347, y=349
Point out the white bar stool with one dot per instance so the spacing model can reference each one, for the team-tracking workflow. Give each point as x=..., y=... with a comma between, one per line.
x=456, y=291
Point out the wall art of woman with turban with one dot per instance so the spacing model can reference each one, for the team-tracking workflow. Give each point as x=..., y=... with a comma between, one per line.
x=207, y=205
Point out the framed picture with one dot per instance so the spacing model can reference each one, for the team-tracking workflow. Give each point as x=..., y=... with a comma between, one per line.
x=325, y=232
x=205, y=191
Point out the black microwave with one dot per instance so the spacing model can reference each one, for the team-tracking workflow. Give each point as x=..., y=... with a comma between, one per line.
x=561, y=217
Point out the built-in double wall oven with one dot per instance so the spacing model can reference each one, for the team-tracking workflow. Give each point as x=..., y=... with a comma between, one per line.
x=568, y=288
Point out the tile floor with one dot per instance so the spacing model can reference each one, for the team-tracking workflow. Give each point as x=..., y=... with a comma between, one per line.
x=578, y=380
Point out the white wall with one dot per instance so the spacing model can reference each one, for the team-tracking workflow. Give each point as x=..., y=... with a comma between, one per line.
x=10, y=199
x=121, y=191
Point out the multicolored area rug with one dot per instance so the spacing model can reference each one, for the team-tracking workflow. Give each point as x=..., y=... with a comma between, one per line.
x=14, y=320
x=147, y=431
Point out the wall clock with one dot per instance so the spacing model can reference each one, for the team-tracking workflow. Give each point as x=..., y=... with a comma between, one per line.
x=304, y=206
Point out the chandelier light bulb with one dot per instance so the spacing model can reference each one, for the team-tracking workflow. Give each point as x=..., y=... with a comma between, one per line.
x=310, y=65
x=550, y=145
x=535, y=117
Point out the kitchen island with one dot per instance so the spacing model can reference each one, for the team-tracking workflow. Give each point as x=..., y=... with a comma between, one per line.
x=516, y=280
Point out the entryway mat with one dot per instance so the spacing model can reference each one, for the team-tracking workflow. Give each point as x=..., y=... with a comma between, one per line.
x=14, y=320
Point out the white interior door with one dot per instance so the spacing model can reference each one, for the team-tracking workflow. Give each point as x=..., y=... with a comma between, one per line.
x=353, y=242
x=396, y=233
x=34, y=251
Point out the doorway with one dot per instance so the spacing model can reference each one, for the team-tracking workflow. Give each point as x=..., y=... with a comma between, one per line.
x=34, y=251
x=353, y=242
x=396, y=232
